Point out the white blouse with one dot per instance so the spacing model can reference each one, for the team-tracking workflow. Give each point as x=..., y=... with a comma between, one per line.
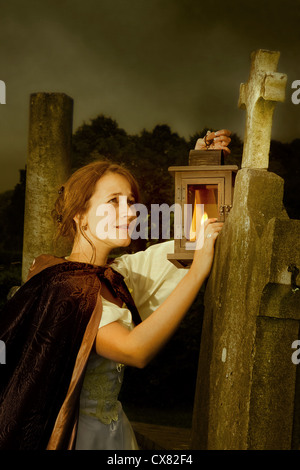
x=150, y=278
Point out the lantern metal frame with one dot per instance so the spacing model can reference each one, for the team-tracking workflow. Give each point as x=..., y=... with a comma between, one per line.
x=202, y=170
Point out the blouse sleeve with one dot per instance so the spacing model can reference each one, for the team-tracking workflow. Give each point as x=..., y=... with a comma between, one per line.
x=112, y=313
x=149, y=276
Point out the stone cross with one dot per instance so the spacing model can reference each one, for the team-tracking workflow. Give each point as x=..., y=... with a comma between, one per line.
x=259, y=96
x=248, y=382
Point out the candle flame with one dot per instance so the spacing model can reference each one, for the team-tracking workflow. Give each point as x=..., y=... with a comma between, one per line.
x=197, y=216
x=204, y=218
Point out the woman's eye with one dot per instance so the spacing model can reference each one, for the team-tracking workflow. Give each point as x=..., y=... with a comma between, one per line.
x=114, y=200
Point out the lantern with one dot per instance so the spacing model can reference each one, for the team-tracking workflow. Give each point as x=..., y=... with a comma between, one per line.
x=203, y=189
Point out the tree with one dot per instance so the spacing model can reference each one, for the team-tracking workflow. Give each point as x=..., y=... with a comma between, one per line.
x=12, y=204
x=102, y=136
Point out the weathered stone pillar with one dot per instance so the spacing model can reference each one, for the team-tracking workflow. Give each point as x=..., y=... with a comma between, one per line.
x=48, y=167
x=248, y=386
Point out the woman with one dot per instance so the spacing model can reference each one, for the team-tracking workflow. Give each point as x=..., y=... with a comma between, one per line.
x=96, y=323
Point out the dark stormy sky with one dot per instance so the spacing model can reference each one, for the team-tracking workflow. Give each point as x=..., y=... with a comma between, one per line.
x=141, y=62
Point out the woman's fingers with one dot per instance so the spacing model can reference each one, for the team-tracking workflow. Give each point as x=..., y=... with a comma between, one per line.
x=213, y=231
x=219, y=136
x=215, y=140
x=209, y=222
x=224, y=132
x=220, y=140
x=209, y=230
x=212, y=226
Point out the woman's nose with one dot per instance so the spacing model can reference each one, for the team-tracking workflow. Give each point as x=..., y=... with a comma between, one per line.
x=126, y=209
x=131, y=210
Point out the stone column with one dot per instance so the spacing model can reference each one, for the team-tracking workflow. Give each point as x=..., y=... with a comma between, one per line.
x=48, y=167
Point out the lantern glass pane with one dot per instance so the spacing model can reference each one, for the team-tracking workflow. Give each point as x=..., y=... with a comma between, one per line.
x=203, y=199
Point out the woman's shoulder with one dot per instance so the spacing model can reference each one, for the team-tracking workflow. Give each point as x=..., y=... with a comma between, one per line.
x=42, y=262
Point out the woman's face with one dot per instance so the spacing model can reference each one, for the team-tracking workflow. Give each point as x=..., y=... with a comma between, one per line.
x=111, y=211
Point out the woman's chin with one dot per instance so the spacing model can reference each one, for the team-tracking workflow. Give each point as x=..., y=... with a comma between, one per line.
x=123, y=238
x=117, y=237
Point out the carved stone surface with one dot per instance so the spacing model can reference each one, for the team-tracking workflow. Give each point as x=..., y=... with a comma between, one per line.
x=258, y=96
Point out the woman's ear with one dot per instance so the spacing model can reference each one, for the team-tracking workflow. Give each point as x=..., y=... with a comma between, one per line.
x=76, y=219
x=79, y=220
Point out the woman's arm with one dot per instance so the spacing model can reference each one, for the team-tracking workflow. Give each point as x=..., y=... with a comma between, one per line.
x=138, y=346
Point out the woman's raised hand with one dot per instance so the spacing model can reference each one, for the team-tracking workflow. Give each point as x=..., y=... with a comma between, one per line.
x=204, y=252
x=218, y=140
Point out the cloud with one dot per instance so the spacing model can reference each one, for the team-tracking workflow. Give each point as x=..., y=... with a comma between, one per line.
x=142, y=62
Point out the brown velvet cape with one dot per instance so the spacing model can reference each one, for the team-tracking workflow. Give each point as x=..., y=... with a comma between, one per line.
x=49, y=327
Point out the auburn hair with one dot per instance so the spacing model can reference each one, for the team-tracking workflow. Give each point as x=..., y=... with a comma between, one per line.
x=75, y=194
